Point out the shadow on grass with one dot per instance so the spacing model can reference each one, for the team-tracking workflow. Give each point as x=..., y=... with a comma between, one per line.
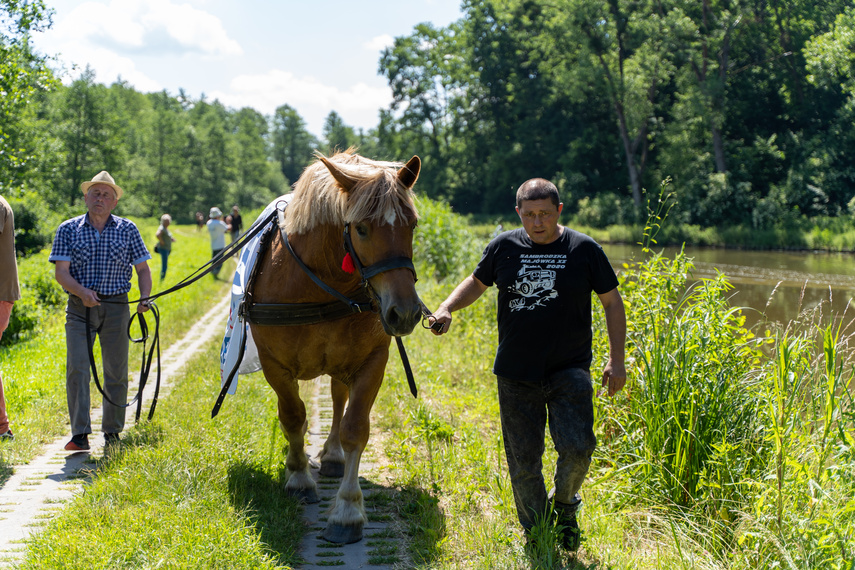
x=262, y=498
x=424, y=522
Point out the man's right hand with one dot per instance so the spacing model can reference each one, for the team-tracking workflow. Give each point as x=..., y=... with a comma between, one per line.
x=90, y=298
x=440, y=322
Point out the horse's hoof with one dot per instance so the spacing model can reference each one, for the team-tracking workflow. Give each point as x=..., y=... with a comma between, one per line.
x=343, y=534
x=332, y=468
x=308, y=496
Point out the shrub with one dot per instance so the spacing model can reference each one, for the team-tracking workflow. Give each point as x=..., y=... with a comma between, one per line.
x=444, y=242
x=41, y=295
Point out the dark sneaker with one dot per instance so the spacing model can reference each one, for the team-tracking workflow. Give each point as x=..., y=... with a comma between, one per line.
x=571, y=535
x=565, y=515
x=7, y=435
x=78, y=442
x=111, y=439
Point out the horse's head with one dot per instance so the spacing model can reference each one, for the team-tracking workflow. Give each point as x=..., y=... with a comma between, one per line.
x=379, y=223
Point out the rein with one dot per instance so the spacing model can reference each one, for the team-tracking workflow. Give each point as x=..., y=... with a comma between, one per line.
x=145, y=367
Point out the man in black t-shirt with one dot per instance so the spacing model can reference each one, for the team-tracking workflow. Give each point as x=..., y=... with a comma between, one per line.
x=545, y=274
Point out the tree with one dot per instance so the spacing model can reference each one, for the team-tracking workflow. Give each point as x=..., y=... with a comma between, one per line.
x=82, y=132
x=338, y=135
x=251, y=152
x=23, y=74
x=163, y=148
x=623, y=46
x=423, y=71
x=292, y=143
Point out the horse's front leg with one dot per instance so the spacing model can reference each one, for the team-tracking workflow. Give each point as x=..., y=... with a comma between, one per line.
x=292, y=420
x=347, y=518
x=332, y=455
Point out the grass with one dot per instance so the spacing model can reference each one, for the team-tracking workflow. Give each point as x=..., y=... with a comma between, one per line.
x=185, y=491
x=729, y=449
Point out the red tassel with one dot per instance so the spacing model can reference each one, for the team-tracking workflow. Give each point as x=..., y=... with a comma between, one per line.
x=347, y=264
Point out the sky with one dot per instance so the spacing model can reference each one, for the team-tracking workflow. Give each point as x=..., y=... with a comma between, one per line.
x=314, y=55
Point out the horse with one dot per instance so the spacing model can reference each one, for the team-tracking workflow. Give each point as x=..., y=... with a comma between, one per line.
x=346, y=215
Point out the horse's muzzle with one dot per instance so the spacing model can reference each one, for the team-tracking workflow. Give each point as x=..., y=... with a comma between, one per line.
x=399, y=319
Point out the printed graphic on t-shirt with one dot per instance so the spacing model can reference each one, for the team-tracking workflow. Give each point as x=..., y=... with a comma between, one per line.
x=535, y=282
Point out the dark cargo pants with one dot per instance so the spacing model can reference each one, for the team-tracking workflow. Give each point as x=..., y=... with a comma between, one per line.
x=565, y=399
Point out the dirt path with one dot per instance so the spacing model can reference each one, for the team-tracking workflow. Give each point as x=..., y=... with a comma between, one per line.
x=37, y=491
x=380, y=546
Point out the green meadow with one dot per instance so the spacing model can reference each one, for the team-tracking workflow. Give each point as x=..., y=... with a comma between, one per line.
x=730, y=448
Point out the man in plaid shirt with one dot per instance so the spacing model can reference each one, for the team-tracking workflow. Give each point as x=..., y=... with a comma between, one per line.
x=94, y=254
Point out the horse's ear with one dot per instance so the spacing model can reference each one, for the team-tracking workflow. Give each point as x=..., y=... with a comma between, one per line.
x=410, y=172
x=345, y=181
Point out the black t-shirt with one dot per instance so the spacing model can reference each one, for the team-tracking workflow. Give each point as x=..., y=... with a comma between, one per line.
x=544, y=301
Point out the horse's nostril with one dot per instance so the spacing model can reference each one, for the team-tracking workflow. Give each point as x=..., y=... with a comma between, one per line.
x=392, y=317
x=401, y=320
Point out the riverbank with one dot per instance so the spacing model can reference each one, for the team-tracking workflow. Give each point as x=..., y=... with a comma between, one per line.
x=821, y=234
x=830, y=235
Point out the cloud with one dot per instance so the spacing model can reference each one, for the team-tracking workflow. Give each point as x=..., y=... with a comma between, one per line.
x=379, y=43
x=152, y=27
x=358, y=104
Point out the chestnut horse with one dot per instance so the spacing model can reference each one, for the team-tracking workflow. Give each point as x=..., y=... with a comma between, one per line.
x=346, y=198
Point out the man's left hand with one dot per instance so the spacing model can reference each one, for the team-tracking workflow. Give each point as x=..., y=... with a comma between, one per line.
x=614, y=377
x=143, y=306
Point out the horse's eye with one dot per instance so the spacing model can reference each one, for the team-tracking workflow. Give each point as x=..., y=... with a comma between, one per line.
x=362, y=230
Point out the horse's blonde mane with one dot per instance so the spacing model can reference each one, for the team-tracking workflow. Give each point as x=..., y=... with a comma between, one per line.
x=377, y=197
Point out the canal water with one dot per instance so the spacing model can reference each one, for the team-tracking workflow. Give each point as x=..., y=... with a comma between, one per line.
x=800, y=281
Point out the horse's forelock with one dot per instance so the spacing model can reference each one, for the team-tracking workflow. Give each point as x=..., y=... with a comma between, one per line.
x=377, y=196
x=381, y=199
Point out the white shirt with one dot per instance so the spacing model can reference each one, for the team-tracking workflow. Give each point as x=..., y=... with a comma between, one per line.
x=217, y=229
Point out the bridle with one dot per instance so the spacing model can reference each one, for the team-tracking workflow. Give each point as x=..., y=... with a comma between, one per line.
x=365, y=273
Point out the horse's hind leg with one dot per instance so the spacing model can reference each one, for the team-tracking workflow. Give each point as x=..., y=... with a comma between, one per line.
x=332, y=455
x=292, y=420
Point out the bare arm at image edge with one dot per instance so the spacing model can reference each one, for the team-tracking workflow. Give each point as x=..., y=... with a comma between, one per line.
x=469, y=290
x=614, y=374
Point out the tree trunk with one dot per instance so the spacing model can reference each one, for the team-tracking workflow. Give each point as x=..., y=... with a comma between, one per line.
x=718, y=149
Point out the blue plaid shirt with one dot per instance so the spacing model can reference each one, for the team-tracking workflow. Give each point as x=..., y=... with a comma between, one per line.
x=102, y=261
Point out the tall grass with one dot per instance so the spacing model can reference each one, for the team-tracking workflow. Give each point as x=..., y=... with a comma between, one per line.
x=730, y=448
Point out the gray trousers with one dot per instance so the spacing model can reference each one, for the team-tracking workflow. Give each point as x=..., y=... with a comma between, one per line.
x=110, y=322
x=565, y=399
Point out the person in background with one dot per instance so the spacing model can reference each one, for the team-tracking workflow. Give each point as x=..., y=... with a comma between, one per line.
x=545, y=274
x=237, y=223
x=164, y=243
x=200, y=221
x=95, y=255
x=217, y=228
x=10, y=292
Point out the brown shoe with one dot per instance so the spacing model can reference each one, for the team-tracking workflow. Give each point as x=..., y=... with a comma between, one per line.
x=78, y=443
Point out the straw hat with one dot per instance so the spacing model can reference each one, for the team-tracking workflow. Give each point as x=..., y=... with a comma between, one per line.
x=215, y=213
x=102, y=177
